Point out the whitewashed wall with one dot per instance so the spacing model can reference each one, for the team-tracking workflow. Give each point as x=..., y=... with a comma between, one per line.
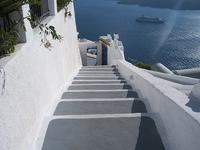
x=34, y=79
x=178, y=124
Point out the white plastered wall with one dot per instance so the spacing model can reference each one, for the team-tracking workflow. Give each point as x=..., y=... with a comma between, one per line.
x=34, y=77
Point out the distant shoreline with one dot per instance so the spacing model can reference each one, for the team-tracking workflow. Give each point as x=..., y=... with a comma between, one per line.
x=168, y=4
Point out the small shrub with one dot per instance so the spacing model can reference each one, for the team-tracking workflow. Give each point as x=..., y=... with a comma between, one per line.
x=8, y=34
x=8, y=40
x=143, y=66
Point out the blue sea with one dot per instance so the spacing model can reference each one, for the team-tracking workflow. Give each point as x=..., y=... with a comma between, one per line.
x=176, y=43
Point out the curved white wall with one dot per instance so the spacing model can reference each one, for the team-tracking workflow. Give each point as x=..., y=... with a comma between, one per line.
x=34, y=79
x=195, y=92
x=178, y=125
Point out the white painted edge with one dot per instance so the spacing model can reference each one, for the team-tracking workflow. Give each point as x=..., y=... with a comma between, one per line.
x=98, y=71
x=99, y=75
x=99, y=91
x=96, y=68
x=99, y=80
x=99, y=66
x=97, y=116
x=98, y=99
x=94, y=76
x=120, y=84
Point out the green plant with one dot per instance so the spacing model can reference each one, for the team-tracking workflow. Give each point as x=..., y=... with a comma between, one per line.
x=7, y=42
x=48, y=30
x=45, y=31
x=143, y=66
x=8, y=32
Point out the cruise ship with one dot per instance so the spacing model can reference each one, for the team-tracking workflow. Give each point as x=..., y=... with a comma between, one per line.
x=149, y=19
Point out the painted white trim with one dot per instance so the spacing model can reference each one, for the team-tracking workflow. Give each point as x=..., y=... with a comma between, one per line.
x=99, y=99
x=99, y=116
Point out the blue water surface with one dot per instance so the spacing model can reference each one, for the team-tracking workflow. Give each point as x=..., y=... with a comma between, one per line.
x=176, y=43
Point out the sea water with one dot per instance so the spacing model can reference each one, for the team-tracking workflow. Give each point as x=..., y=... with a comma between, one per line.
x=176, y=43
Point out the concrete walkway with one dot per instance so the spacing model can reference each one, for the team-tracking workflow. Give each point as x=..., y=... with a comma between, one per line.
x=100, y=111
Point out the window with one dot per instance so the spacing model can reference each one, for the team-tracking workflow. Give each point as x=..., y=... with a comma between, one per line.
x=39, y=12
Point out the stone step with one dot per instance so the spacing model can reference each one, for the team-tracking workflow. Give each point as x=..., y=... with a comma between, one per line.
x=102, y=132
x=97, y=81
x=99, y=99
x=98, y=78
x=75, y=94
x=99, y=86
x=98, y=69
x=100, y=75
x=105, y=106
x=98, y=72
x=99, y=66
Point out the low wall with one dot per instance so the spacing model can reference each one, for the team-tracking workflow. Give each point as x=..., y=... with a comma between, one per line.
x=175, y=78
x=34, y=77
x=161, y=68
x=178, y=125
x=193, y=72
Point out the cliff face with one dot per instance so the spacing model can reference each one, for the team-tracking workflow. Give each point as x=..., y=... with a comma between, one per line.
x=170, y=4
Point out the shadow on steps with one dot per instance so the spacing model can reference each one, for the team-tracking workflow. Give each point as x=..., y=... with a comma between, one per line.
x=138, y=107
x=135, y=133
x=149, y=138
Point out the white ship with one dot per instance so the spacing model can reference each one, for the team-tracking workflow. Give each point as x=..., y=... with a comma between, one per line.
x=149, y=19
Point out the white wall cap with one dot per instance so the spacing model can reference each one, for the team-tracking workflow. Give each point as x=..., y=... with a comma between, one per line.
x=196, y=92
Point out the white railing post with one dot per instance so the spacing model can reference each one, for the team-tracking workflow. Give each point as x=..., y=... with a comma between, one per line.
x=52, y=7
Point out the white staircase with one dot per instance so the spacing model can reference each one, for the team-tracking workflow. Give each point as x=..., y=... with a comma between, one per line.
x=100, y=111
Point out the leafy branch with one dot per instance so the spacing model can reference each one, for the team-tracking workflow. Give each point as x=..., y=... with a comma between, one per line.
x=8, y=33
x=48, y=30
x=45, y=30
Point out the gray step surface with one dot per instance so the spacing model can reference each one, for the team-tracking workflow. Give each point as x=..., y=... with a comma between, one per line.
x=98, y=69
x=99, y=86
x=100, y=66
x=98, y=78
x=100, y=75
x=122, y=133
x=98, y=72
x=98, y=81
x=73, y=94
x=99, y=107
